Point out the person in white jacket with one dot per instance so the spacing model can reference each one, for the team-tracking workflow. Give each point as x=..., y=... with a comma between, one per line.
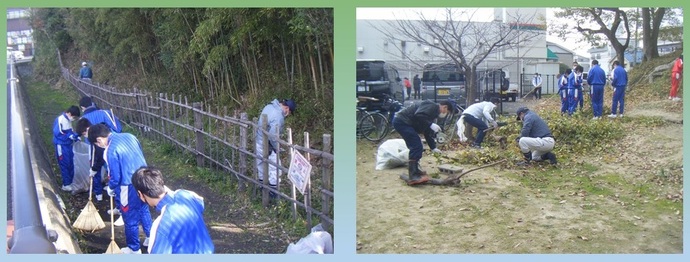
x=536, y=82
x=275, y=114
x=478, y=115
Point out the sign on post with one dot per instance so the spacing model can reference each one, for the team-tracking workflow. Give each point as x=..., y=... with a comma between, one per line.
x=299, y=171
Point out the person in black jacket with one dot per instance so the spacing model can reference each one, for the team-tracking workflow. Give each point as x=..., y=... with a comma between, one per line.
x=417, y=119
x=417, y=85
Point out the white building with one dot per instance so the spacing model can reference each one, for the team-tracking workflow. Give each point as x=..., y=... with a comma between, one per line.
x=409, y=56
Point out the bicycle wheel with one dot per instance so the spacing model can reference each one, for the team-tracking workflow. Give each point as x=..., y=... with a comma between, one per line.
x=373, y=127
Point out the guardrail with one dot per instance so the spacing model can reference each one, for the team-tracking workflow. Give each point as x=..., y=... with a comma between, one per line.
x=30, y=235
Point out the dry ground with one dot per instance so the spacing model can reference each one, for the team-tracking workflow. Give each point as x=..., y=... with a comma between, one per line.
x=625, y=201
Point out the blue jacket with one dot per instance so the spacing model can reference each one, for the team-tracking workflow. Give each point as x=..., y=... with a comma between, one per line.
x=106, y=117
x=62, y=130
x=574, y=81
x=534, y=126
x=123, y=156
x=596, y=76
x=85, y=72
x=620, y=77
x=275, y=120
x=180, y=228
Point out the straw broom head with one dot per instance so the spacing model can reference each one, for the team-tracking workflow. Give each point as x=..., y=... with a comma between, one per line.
x=112, y=248
x=89, y=219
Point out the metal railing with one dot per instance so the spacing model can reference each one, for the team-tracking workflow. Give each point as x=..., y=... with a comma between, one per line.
x=30, y=235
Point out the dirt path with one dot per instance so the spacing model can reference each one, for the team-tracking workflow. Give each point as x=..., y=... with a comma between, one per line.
x=626, y=201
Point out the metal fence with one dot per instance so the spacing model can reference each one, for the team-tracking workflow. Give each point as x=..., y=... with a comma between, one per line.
x=221, y=140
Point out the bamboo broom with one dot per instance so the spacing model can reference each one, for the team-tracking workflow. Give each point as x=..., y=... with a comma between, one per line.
x=89, y=219
x=112, y=248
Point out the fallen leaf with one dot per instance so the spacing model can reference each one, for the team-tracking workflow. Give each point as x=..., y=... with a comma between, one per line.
x=636, y=217
x=562, y=202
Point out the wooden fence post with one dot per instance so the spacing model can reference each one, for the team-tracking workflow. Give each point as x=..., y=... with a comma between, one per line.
x=326, y=180
x=199, y=126
x=264, y=158
x=243, y=157
x=307, y=191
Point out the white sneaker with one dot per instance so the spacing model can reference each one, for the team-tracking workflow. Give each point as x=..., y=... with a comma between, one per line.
x=99, y=198
x=676, y=99
x=127, y=250
x=620, y=116
x=612, y=116
x=146, y=242
x=670, y=98
x=115, y=211
x=595, y=118
x=67, y=188
x=119, y=222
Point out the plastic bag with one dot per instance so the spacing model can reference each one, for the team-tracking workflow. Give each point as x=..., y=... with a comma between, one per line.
x=391, y=154
x=461, y=129
x=80, y=181
x=318, y=241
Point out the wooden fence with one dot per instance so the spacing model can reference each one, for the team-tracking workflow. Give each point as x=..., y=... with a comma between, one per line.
x=221, y=141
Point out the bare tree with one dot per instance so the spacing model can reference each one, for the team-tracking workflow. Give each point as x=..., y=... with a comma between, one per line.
x=463, y=43
x=592, y=23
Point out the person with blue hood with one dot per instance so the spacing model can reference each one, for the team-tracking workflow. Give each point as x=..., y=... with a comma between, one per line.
x=274, y=115
x=63, y=138
x=180, y=227
x=124, y=156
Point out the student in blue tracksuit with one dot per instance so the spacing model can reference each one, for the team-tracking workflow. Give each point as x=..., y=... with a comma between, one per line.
x=124, y=156
x=275, y=113
x=92, y=115
x=619, y=81
x=563, y=90
x=63, y=138
x=596, y=78
x=180, y=228
x=574, y=87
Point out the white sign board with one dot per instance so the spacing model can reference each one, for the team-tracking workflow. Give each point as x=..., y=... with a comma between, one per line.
x=299, y=171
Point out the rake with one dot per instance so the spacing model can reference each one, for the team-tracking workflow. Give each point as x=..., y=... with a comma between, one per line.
x=89, y=219
x=112, y=248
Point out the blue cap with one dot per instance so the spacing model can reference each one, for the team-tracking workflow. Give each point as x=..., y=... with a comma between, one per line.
x=290, y=104
x=521, y=110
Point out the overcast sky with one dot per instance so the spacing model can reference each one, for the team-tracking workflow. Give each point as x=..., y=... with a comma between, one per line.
x=478, y=14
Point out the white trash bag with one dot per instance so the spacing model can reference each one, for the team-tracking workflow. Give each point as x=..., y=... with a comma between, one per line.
x=461, y=129
x=318, y=241
x=391, y=154
x=80, y=181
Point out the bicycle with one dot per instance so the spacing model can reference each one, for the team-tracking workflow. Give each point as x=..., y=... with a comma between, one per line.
x=375, y=124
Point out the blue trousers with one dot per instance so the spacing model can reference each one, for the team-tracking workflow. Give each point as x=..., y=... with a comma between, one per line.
x=65, y=159
x=572, y=100
x=479, y=124
x=580, y=97
x=97, y=179
x=597, y=100
x=618, y=98
x=134, y=212
x=412, y=140
x=564, y=100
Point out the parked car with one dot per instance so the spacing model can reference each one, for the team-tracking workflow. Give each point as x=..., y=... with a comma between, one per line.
x=378, y=79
